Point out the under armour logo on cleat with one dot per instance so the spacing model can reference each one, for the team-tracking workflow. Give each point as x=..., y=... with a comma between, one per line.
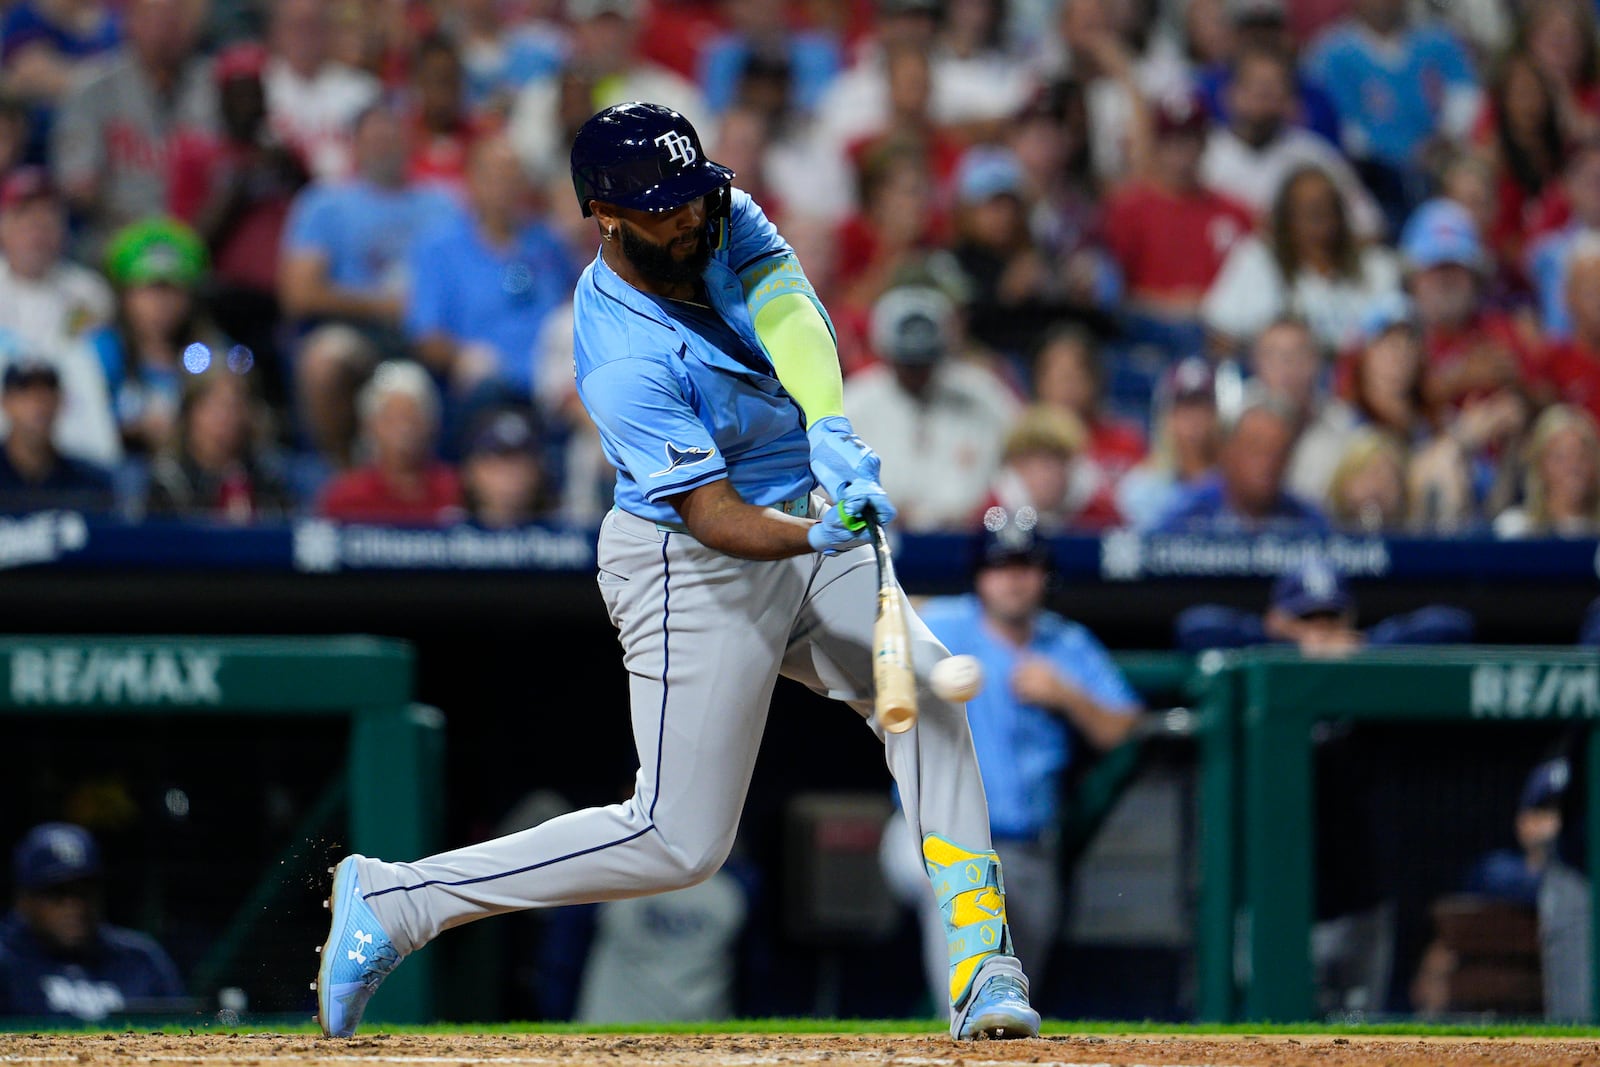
x=683, y=457
x=363, y=940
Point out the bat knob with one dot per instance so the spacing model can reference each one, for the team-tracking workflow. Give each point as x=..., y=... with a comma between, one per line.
x=897, y=720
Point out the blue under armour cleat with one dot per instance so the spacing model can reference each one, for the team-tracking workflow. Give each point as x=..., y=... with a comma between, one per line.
x=356, y=958
x=999, y=1006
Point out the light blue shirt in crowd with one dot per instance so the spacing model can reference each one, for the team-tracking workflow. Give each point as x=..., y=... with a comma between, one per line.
x=363, y=231
x=478, y=293
x=1023, y=749
x=1391, y=95
x=1547, y=269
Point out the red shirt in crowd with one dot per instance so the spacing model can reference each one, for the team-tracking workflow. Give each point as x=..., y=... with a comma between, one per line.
x=248, y=256
x=366, y=495
x=1116, y=447
x=1573, y=369
x=1487, y=337
x=1171, y=246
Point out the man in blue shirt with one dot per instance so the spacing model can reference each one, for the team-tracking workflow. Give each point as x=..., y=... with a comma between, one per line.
x=1247, y=493
x=343, y=276
x=737, y=551
x=1397, y=87
x=482, y=281
x=57, y=956
x=1049, y=686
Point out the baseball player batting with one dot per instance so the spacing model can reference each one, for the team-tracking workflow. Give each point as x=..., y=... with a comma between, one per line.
x=737, y=551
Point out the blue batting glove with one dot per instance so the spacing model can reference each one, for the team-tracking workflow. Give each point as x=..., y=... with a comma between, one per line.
x=861, y=497
x=837, y=532
x=839, y=457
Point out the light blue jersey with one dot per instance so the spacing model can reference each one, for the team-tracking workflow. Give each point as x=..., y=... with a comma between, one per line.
x=676, y=410
x=1391, y=95
x=1022, y=749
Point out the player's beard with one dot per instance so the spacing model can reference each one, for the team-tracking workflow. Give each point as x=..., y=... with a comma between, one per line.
x=656, y=263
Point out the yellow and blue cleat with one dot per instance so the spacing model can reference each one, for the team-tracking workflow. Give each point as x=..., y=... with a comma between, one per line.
x=356, y=958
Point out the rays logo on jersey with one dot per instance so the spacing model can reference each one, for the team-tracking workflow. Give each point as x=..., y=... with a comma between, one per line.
x=683, y=457
x=680, y=149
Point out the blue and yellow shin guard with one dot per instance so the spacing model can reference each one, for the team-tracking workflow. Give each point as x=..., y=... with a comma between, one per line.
x=972, y=900
x=988, y=990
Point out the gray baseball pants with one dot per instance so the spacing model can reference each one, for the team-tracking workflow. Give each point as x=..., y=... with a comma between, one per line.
x=705, y=637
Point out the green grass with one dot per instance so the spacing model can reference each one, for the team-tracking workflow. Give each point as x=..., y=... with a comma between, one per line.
x=1053, y=1028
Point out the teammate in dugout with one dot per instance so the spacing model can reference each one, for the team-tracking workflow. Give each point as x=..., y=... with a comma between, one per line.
x=58, y=956
x=735, y=553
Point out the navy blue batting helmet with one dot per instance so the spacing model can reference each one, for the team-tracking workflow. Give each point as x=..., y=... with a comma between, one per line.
x=643, y=156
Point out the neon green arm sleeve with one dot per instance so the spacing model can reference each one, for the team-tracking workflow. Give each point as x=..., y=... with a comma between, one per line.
x=803, y=353
x=792, y=325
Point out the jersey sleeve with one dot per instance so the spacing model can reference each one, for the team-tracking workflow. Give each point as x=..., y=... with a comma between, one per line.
x=767, y=267
x=1089, y=666
x=650, y=428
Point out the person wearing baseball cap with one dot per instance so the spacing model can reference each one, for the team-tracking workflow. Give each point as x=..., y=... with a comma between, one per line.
x=58, y=956
x=1015, y=288
x=939, y=421
x=1535, y=875
x=503, y=475
x=1310, y=607
x=1472, y=353
x=1183, y=448
x=1049, y=687
x=34, y=473
x=160, y=335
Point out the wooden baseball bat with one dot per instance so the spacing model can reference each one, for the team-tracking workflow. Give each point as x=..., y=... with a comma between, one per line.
x=895, y=683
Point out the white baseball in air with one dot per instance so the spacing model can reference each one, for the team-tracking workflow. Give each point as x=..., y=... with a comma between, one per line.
x=957, y=678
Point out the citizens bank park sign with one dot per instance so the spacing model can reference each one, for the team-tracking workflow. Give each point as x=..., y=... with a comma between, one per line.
x=1127, y=556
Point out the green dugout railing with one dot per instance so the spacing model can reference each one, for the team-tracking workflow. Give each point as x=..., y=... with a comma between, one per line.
x=395, y=763
x=1257, y=709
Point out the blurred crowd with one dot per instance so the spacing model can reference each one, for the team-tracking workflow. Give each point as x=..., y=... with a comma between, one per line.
x=1168, y=264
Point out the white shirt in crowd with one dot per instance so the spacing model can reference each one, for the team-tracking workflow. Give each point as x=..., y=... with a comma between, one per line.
x=314, y=114
x=1251, y=291
x=1253, y=176
x=48, y=313
x=940, y=453
x=47, y=319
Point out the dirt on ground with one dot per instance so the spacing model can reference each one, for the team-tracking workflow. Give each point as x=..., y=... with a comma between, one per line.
x=735, y=1050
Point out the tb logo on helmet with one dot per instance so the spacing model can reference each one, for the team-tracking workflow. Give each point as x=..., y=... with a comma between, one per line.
x=680, y=149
